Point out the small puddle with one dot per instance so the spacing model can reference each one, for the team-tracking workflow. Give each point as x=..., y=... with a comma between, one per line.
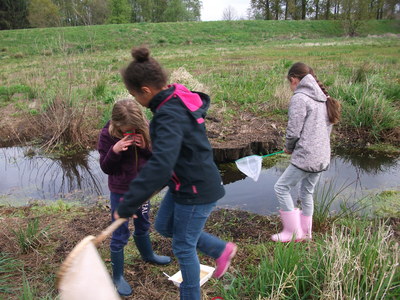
x=26, y=178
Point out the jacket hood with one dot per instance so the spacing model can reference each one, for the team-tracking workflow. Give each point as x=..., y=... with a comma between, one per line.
x=196, y=102
x=309, y=86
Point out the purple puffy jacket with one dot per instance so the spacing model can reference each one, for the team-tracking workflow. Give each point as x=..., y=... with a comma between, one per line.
x=123, y=167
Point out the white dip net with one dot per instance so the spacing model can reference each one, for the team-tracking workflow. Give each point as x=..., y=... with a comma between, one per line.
x=250, y=166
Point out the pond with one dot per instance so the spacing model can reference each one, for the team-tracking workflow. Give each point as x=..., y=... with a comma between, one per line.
x=355, y=175
x=27, y=176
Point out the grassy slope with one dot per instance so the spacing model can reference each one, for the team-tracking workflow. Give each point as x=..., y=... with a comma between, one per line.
x=113, y=37
x=241, y=63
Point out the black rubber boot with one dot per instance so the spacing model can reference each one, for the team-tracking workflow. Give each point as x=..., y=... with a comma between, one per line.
x=117, y=261
x=143, y=244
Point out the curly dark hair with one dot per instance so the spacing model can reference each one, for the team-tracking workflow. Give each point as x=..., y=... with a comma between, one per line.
x=143, y=71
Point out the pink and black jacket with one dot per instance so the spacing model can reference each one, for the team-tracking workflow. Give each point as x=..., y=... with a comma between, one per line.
x=182, y=155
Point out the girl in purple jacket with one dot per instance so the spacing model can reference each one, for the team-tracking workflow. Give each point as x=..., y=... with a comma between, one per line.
x=124, y=147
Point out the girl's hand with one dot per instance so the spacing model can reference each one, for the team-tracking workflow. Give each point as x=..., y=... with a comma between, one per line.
x=123, y=144
x=139, y=140
x=287, y=151
x=116, y=216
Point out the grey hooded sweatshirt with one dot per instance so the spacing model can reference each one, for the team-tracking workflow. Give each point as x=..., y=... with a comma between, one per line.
x=309, y=129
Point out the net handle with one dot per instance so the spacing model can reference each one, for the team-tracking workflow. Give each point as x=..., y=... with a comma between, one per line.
x=109, y=230
x=273, y=153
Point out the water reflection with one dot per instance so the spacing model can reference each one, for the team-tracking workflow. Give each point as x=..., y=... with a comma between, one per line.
x=361, y=175
x=367, y=161
x=28, y=176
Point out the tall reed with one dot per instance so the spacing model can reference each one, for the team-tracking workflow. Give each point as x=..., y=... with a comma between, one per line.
x=365, y=107
x=328, y=196
x=31, y=237
x=359, y=260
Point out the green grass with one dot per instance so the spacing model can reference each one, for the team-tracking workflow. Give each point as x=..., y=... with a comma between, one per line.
x=31, y=237
x=385, y=205
x=7, y=93
x=364, y=106
x=49, y=41
x=241, y=64
x=8, y=266
x=356, y=260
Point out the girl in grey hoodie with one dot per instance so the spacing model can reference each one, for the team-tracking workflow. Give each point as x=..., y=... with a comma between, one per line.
x=311, y=115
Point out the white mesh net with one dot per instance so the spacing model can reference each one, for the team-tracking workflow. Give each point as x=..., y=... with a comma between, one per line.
x=250, y=166
x=86, y=277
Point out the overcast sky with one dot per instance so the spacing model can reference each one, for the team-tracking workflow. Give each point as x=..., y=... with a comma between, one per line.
x=212, y=10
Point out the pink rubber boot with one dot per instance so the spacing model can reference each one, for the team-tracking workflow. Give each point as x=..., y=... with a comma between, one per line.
x=291, y=227
x=306, y=225
x=224, y=260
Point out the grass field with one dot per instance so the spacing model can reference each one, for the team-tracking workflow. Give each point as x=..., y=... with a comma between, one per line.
x=241, y=63
x=349, y=258
x=56, y=75
x=123, y=36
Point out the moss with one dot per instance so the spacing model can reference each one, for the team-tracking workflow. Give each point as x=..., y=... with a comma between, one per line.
x=384, y=148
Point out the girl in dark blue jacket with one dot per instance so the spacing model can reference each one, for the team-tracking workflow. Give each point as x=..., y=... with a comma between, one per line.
x=124, y=147
x=182, y=159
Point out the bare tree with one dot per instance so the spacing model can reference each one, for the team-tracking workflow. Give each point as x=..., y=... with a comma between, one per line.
x=229, y=14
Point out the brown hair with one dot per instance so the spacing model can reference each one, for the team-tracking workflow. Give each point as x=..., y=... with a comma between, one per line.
x=129, y=112
x=300, y=70
x=143, y=71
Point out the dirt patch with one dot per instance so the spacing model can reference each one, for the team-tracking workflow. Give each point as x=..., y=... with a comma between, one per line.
x=147, y=280
x=244, y=134
x=66, y=229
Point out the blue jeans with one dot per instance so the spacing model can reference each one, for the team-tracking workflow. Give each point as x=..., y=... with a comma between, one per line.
x=184, y=224
x=121, y=235
x=289, y=179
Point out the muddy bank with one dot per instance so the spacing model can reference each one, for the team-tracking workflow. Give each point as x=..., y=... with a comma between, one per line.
x=251, y=134
x=64, y=229
x=231, y=137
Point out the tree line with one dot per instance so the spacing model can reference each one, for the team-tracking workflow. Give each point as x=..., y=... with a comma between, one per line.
x=324, y=9
x=15, y=14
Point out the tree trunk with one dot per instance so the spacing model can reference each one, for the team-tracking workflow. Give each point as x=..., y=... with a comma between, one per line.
x=267, y=10
x=328, y=8
x=286, y=8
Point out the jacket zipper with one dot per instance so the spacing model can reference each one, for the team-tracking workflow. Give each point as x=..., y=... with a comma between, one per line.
x=175, y=179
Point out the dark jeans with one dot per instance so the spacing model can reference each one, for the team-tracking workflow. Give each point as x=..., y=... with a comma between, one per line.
x=121, y=235
x=184, y=224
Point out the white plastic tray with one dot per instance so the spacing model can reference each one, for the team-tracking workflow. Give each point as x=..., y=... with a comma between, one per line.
x=205, y=274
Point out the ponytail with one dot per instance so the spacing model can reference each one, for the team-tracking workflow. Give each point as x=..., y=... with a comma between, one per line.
x=333, y=106
x=334, y=109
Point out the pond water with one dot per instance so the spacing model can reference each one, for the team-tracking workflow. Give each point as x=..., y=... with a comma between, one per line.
x=354, y=175
x=26, y=176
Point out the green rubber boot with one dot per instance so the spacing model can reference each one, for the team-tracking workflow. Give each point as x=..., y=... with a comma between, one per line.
x=117, y=261
x=143, y=244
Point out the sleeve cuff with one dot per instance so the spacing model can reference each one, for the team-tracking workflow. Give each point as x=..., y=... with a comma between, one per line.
x=125, y=211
